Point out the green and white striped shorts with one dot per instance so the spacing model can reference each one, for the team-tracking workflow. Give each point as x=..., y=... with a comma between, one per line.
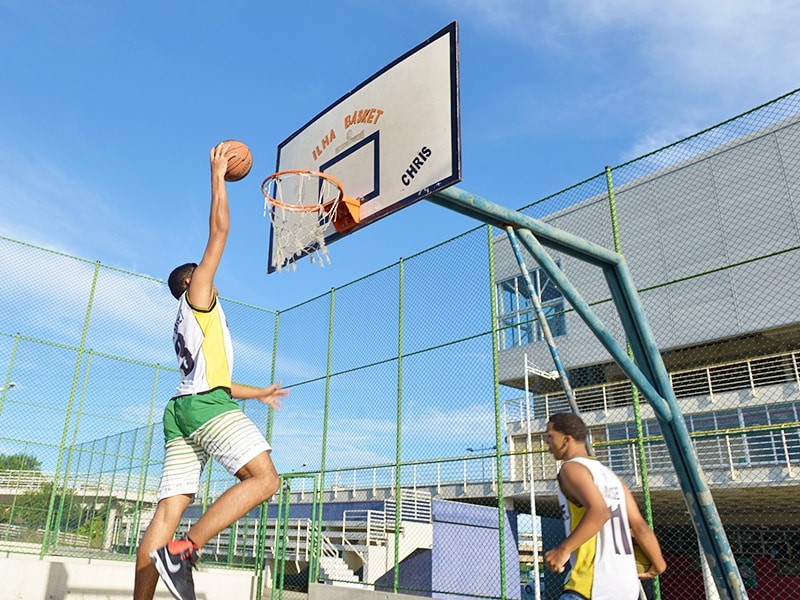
x=231, y=439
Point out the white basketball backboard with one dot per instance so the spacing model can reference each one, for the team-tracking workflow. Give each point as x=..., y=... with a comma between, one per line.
x=391, y=141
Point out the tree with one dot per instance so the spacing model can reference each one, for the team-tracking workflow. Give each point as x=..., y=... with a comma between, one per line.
x=16, y=462
x=94, y=528
x=19, y=462
x=32, y=508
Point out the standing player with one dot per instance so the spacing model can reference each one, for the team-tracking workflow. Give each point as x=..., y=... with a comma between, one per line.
x=203, y=420
x=600, y=514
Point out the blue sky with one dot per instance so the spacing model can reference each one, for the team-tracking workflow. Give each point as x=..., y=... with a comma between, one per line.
x=109, y=110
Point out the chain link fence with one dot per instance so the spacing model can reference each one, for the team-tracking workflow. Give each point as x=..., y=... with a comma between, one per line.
x=412, y=444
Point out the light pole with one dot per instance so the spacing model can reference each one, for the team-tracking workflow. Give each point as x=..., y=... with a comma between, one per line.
x=482, y=449
x=3, y=391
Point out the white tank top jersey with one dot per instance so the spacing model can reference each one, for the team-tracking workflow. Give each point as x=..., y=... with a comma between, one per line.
x=203, y=347
x=604, y=568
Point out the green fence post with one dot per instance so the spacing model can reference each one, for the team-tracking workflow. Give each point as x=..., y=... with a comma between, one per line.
x=281, y=526
x=68, y=468
x=49, y=521
x=148, y=445
x=398, y=488
x=637, y=412
x=323, y=459
x=263, y=509
x=498, y=426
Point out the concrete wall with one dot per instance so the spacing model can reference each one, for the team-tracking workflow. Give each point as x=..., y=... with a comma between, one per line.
x=729, y=205
x=318, y=591
x=25, y=577
x=466, y=554
x=465, y=558
x=60, y=578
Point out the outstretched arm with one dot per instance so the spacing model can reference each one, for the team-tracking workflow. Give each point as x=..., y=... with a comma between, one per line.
x=644, y=537
x=201, y=288
x=577, y=483
x=271, y=395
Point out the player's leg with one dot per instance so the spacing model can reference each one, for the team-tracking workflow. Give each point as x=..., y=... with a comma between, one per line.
x=160, y=531
x=237, y=444
x=183, y=463
x=258, y=483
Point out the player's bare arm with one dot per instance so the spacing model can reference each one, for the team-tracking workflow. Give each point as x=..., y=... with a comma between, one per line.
x=644, y=537
x=201, y=288
x=577, y=483
x=271, y=395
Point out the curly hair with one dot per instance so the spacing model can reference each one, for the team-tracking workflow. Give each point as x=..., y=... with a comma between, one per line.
x=570, y=424
x=177, y=279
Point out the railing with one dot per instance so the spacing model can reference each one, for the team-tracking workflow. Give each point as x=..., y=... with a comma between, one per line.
x=22, y=480
x=726, y=451
x=328, y=549
x=708, y=381
x=729, y=449
x=729, y=453
x=367, y=527
x=82, y=484
x=358, y=528
x=415, y=505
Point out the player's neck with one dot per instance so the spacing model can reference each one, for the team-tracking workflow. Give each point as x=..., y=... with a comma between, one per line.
x=576, y=450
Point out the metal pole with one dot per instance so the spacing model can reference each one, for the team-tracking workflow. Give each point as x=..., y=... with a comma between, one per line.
x=498, y=434
x=542, y=318
x=51, y=525
x=546, y=333
x=529, y=448
x=637, y=413
x=647, y=372
x=398, y=489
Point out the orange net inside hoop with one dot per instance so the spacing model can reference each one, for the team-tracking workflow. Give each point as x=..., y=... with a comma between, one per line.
x=301, y=205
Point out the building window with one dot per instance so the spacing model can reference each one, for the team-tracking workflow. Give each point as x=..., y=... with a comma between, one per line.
x=517, y=319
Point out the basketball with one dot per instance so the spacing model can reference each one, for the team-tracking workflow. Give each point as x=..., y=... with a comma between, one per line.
x=643, y=563
x=239, y=165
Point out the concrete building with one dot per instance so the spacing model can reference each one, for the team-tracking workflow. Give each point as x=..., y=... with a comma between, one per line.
x=712, y=243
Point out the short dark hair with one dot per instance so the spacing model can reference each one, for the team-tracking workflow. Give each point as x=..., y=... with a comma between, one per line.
x=570, y=424
x=177, y=279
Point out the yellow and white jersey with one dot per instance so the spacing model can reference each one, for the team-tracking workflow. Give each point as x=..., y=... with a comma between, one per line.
x=604, y=568
x=203, y=347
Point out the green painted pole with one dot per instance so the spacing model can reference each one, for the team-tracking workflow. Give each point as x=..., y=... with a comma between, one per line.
x=50, y=519
x=281, y=526
x=76, y=428
x=498, y=425
x=316, y=533
x=133, y=534
x=637, y=410
x=263, y=510
x=323, y=459
x=399, y=430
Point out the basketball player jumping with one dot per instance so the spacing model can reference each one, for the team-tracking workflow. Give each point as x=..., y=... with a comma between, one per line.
x=600, y=514
x=203, y=420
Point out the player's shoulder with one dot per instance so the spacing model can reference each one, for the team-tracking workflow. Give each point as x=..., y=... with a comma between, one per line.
x=575, y=467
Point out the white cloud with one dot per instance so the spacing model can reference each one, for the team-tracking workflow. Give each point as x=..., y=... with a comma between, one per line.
x=667, y=68
x=700, y=62
x=44, y=205
x=727, y=43
x=39, y=284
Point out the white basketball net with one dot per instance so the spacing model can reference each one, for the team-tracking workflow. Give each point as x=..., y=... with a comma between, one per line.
x=300, y=206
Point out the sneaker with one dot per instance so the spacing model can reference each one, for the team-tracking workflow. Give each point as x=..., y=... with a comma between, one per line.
x=174, y=562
